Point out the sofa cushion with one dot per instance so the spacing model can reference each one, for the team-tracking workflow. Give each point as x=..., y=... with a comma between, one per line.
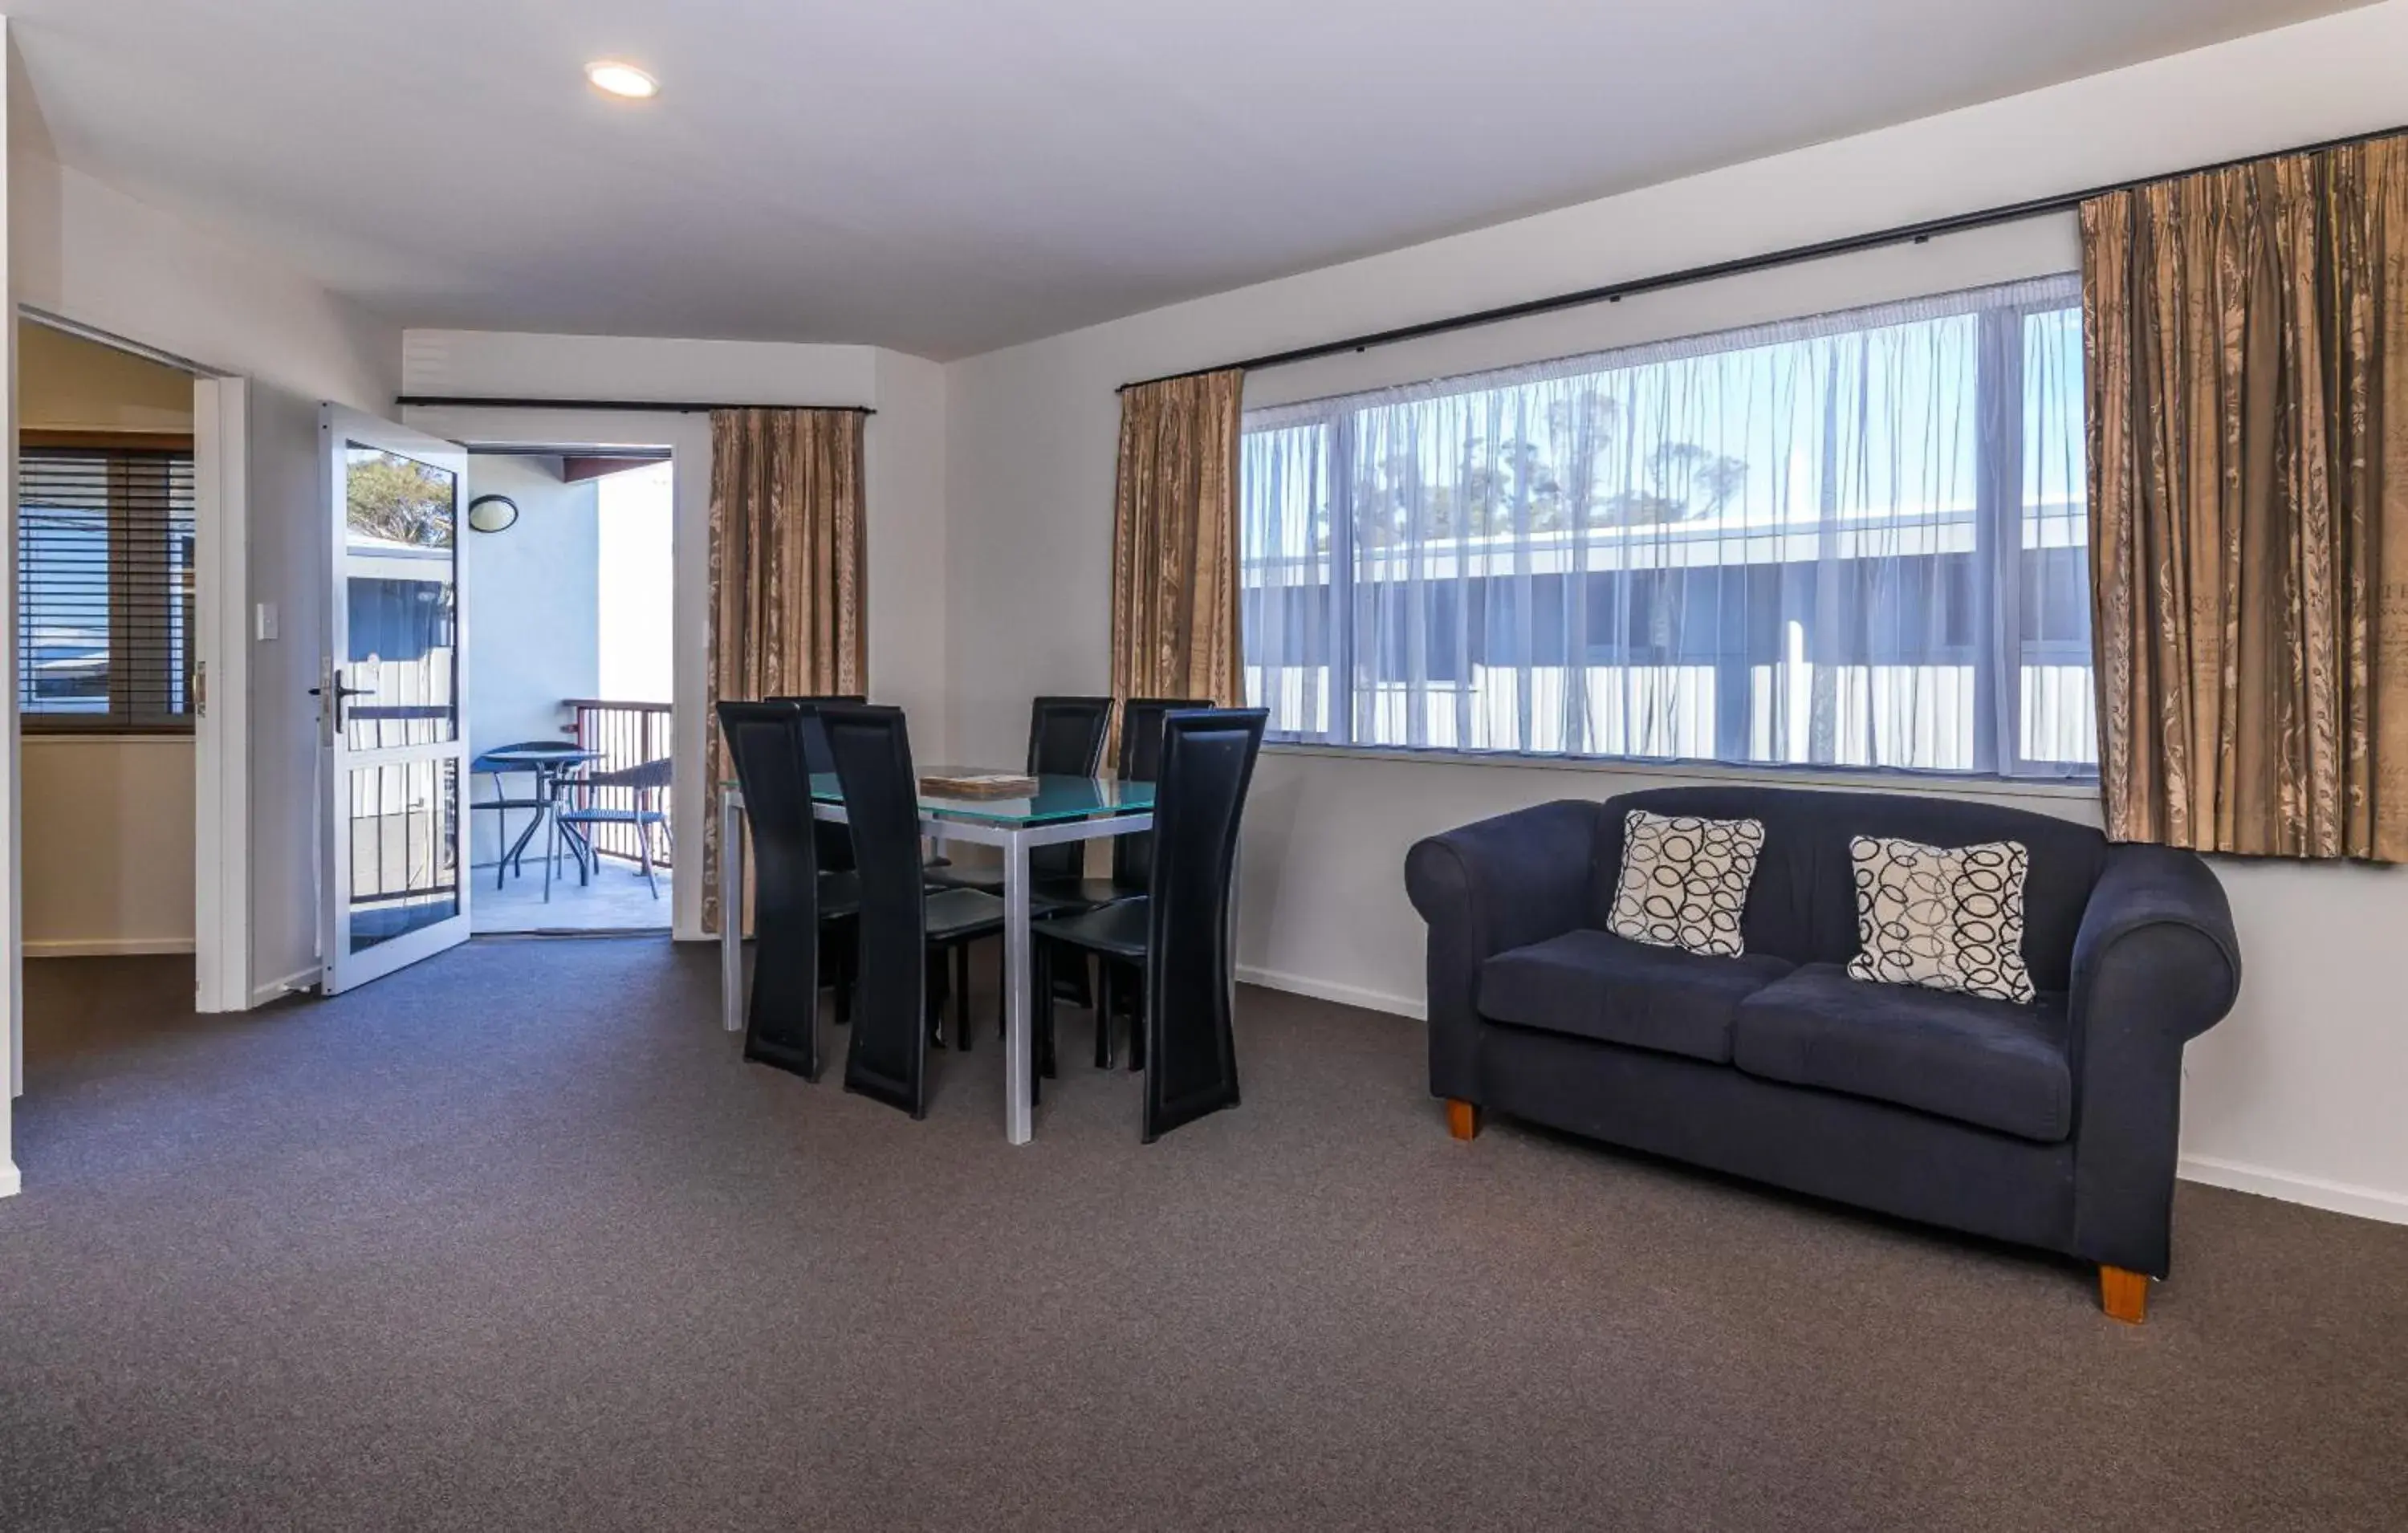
x=1685, y=881
x=1802, y=902
x=1594, y=984
x=1986, y=1062
x=1945, y=918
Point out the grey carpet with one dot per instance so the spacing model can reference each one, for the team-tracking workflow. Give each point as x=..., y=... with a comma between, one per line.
x=514, y=1239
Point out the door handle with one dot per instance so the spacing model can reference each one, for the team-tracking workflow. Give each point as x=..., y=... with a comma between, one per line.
x=340, y=692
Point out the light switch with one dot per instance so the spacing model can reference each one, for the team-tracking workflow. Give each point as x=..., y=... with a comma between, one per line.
x=267, y=621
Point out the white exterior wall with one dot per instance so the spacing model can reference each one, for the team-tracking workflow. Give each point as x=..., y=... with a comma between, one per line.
x=534, y=616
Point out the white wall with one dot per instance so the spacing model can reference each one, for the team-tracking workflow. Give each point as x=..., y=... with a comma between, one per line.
x=534, y=617
x=286, y=565
x=89, y=252
x=905, y=442
x=905, y=495
x=513, y=365
x=2296, y=1094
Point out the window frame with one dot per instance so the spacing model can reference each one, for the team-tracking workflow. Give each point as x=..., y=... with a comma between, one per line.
x=124, y=451
x=1997, y=520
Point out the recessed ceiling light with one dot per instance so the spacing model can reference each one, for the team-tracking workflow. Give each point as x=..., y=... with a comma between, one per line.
x=622, y=79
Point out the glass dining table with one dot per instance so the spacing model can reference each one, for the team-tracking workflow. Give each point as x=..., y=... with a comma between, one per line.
x=1063, y=809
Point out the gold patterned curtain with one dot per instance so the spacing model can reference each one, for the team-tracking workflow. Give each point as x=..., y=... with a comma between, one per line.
x=789, y=576
x=1175, y=541
x=2246, y=332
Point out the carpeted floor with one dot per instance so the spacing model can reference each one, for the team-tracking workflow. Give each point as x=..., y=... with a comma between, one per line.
x=513, y=1239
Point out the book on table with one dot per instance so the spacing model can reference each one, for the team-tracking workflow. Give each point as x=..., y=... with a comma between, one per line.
x=979, y=785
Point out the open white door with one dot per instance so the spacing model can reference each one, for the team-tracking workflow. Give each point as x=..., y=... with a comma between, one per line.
x=221, y=702
x=390, y=708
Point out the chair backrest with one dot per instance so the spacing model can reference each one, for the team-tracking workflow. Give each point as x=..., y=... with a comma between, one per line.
x=814, y=734
x=641, y=782
x=1066, y=738
x=872, y=752
x=835, y=841
x=1208, y=761
x=644, y=776
x=1141, y=762
x=766, y=741
x=1065, y=735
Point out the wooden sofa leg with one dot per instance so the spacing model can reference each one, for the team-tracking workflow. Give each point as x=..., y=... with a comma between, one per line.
x=1462, y=1118
x=2125, y=1296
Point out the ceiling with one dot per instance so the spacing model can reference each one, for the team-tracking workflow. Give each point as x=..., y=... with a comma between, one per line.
x=945, y=176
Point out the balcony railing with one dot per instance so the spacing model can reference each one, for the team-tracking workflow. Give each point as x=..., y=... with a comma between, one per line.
x=626, y=735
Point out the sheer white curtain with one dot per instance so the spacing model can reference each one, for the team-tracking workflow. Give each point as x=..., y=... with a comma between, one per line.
x=1852, y=540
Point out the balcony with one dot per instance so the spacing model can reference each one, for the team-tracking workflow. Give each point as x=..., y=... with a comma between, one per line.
x=568, y=647
x=612, y=894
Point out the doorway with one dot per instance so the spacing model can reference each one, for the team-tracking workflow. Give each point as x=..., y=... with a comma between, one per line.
x=108, y=675
x=606, y=432
x=571, y=719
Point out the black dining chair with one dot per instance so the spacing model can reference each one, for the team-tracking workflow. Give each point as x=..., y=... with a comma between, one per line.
x=834, y=838
x=1066, y=738
x=646, y=785
x=797, y=907
x=1178, y=937
x=907, y=928
x=1140, y=757
x=835, y=854
x=1132, y=855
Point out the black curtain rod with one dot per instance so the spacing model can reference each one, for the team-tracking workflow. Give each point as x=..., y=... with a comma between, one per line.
x=1740, y=265
x=658, y=407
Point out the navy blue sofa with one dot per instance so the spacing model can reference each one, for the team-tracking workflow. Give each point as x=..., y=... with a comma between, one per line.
x=2052, y=1124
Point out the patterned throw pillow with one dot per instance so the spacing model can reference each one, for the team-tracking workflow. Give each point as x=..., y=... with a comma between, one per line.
x=1946, y=918
x=1685, y=881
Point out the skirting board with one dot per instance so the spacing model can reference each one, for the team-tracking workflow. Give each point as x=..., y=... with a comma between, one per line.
x=104, y=947
x=1344, y=995
x=2314, y=1191
x=2311, y=1192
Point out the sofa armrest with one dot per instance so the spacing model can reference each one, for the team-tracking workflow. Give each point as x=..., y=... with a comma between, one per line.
x=2158, y=913
x=1482, y=889
x=2156, y=964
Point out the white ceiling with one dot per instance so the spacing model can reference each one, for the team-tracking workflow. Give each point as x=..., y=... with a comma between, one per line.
x=949, y=176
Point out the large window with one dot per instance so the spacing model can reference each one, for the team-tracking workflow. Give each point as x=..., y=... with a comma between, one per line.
x=1855, y=540
x=103, y=588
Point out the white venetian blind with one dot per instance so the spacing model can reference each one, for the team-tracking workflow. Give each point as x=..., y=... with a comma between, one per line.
x=105, y=588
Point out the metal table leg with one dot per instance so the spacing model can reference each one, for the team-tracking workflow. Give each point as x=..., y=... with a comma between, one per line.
x=731, y=910
x=1019, y=1068
x=514, y=860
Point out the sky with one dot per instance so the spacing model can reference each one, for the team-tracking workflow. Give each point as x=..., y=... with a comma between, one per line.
x=634, y=567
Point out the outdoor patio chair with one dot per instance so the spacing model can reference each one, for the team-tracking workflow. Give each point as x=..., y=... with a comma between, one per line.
x=648, y=785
